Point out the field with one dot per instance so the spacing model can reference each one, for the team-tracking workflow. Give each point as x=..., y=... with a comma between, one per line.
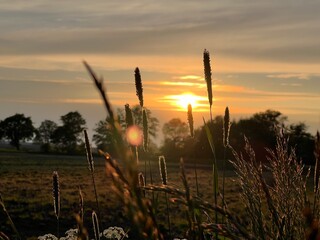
x=26, y=188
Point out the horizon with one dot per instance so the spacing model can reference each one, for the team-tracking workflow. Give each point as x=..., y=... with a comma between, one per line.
x=264, y=55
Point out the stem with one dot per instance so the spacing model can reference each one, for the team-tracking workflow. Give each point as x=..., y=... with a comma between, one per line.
x=58, y=228
x=223, y=173
x=96, y=196
x=196, y=174
x=151, y=180
x=145, y=171
x=168, y=215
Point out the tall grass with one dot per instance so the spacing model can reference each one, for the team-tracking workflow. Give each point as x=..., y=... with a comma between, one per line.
x=277, y=206
x=91, y=169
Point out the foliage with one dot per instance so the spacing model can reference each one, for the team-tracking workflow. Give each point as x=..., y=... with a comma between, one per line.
x=69, y=136
x=17, y=128
x=44, y=134
x=175, y=134
x=153, y=122
x=103, y=137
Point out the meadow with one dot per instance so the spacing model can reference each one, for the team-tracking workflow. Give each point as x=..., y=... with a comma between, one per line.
x=26, y=188
x=245, y=198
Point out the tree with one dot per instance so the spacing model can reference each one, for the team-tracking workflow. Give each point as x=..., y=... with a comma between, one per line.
x=17, y=128
x=45, y=131
x=153, y=122
x=302, y=142
x=175, y=133
x=68, y=136
x=45, y=134
x=175, y=129
x=103, y=137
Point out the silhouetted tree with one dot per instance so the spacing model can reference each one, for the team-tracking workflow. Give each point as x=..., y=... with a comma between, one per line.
x=69, y=136
x=103, y=137
x=45, y=134
x=175, y=134
x=17, y=128
x=153, y=122
x=302, y=142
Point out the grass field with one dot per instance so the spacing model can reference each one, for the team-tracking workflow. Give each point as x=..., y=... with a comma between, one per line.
x=26, y=188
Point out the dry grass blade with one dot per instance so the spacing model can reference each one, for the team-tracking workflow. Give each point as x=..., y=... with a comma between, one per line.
x=101, y=88
x=138, y=82
x=10, y=221
x=82, y=231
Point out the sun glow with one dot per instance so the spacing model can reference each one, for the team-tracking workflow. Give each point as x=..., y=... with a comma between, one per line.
x=182, y=100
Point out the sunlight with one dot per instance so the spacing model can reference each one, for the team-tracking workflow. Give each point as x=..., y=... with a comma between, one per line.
x=182, y=100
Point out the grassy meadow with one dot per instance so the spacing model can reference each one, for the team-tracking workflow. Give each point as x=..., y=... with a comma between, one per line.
x=26, y=188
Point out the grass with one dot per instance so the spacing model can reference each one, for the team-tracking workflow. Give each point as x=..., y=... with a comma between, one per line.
x=26, y=187
x=274, y=196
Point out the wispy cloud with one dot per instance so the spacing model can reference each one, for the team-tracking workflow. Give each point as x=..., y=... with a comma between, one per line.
x=301, y=76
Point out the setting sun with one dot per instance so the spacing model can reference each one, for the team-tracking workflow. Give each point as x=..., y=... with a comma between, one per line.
x=187, y=98
x=181, y=101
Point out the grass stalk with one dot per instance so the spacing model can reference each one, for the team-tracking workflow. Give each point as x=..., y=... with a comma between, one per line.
x=191, y=128
x=91, y=169
x=164, y=179
x=56, y=197
x=95, y=224
x=226, y=133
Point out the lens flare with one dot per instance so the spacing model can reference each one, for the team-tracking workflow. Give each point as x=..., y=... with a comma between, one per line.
x=134, y=135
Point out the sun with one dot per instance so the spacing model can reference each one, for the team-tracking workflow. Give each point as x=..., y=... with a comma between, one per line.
x=183, y=100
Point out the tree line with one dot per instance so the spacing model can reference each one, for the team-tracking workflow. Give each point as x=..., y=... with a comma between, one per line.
x=178, y=142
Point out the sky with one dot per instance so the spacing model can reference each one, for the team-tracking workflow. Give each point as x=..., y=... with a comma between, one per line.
x=264, y=55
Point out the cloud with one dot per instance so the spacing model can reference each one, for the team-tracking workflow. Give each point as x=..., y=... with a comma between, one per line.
x=301, y=76
x=266, y=31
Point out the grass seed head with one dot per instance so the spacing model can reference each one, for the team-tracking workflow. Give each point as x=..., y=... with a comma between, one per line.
x=190, y=120
x=89, y=152
x=139, y=90
x=226, y=128
x=163, y=170
x=207, y=74
x=129, y=116
x=56, y=193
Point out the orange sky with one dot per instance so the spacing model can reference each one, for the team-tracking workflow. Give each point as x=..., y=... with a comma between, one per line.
x=265, y=55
